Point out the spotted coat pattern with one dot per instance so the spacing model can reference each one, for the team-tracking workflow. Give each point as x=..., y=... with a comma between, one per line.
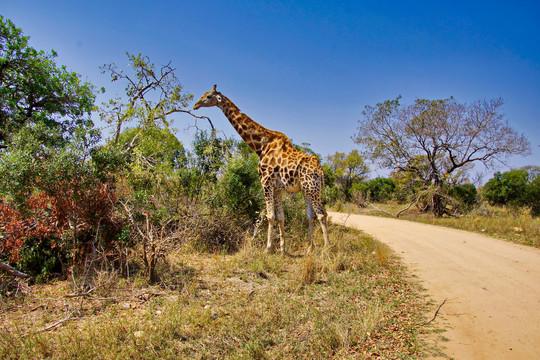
x=282, y=168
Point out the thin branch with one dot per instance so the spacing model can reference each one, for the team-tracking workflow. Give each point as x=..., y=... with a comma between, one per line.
x=384, y=211
x=81, y=294
x=347, y=218
x=408, y=207
x=436, y=312
x=52, y=326
x=257, y=224
x=198, y=117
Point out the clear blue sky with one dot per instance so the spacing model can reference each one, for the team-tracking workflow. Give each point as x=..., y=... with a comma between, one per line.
x=308, y=68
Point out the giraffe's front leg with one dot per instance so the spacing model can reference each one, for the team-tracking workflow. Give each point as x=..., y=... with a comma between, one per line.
x=270, y=215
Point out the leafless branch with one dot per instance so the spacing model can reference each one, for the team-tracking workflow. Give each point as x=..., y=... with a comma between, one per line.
x=59, y=322
x=408, y=207
x=436, y=312
x=381, y=210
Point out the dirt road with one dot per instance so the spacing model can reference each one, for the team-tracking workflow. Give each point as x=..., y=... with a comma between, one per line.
x=491, y=287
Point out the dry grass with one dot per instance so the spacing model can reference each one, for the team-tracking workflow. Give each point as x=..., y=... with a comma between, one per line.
x=352, y=301
x=516, y=225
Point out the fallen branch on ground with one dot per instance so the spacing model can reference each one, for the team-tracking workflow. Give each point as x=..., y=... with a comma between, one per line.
x=436, y=312
x=52, y=326
x=408, y=207
x=12, y=271
x=347, y=218
x=381, y=210
x=81, y=294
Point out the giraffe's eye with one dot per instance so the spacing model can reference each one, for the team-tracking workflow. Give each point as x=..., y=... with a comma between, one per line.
x=209, y=97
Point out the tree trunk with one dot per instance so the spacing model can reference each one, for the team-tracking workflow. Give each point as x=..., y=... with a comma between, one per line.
x=438, y=205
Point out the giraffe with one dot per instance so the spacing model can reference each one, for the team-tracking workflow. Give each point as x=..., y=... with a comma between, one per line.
x=282, y=168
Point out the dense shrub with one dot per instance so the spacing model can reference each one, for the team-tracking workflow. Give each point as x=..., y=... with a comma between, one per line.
x=533, y=196
x=465, y=194
x=68, y=226
x=507, y=188
x=218, y=232
x=240, y=190
x=376, y=190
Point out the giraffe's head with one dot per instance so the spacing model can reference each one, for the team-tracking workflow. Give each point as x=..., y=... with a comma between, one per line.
x=210, y=98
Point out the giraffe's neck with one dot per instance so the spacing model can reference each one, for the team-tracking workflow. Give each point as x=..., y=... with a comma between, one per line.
x=253, y=133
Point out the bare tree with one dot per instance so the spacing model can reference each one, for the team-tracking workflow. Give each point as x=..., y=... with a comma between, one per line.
x=437, y=140
x=152, y=95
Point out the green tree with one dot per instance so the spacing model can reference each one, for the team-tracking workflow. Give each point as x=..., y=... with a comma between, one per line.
x=34, y=90
x=437, y=139
x=54, y=179
x=515, y=188
x=154, y=155
x=533, y=196
x=508, y=188
x=211, y=152
x=347, y=169
x=378, y=190
x=466, y=194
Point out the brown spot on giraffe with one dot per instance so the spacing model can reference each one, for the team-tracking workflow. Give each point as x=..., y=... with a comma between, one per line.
x=282, y=167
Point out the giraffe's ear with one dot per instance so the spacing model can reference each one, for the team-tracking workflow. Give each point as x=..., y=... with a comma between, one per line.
x=219, y=98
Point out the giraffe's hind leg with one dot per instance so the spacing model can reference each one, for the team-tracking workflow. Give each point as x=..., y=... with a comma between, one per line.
x=311, y=222
x=322, y=216
x=314, y=204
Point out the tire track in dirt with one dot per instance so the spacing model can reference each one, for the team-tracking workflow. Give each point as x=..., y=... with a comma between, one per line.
x=491, y=287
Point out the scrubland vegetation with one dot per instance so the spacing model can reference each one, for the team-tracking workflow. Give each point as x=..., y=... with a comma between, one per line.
x=353, y=301
x=507, y=206
x=123, y=242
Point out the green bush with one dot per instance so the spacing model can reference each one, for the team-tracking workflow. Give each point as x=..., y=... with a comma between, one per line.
x=240, y=191
x=376, y=190
x=38, y=258
x=508, y=188
x=465, y=194
x=533, y=196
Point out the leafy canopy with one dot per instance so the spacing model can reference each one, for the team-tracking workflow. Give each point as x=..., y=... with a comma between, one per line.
x=347, y=169
x=34, y=90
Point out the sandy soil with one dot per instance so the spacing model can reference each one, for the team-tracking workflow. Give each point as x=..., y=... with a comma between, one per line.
x=491, y=287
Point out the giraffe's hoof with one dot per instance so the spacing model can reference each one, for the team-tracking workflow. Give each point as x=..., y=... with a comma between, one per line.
x=269, y=250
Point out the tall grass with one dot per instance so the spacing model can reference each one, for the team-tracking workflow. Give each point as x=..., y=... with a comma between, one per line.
x=511, y=224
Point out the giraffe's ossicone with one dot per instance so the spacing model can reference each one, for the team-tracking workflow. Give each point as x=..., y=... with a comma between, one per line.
x=282, y=167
